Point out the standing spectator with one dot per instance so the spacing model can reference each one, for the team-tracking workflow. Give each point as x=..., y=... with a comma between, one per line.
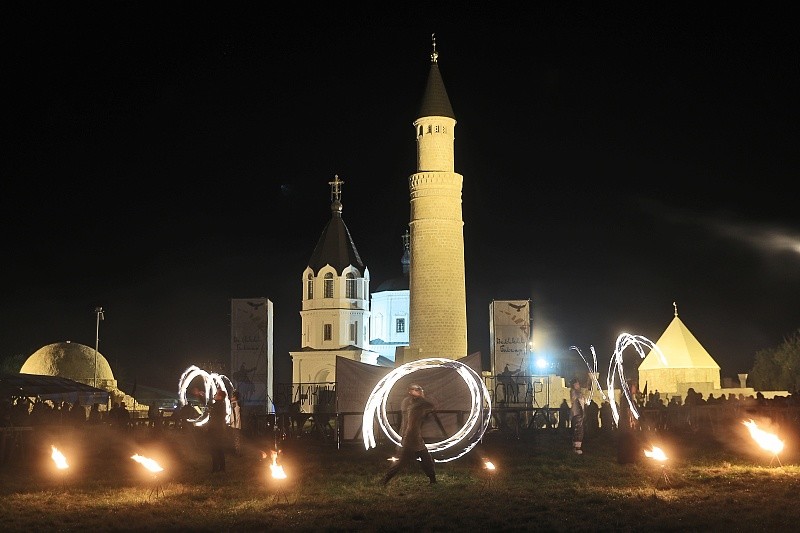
x=628, y=447
x=152, y=415
x=94, y=414
x=592, y=413
x=78, y=414
x=576, y=413
x=563, y=415
x=414, y=408
x=217, y=412
x=236, y=423
x=606, y=417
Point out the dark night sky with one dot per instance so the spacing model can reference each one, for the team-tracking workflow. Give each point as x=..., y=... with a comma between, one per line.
x=161, y=158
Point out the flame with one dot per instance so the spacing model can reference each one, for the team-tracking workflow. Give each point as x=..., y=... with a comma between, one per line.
x=656, y=453
x=489, y=465
x=149, y=464
x=58, y=457
x=277, y=470
x=767, y=441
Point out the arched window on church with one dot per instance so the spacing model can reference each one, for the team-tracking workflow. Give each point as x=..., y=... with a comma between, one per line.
x=310, y=287
x=328, y=285
x=351, y=289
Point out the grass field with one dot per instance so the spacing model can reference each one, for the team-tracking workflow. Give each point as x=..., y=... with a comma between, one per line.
x=712, y=482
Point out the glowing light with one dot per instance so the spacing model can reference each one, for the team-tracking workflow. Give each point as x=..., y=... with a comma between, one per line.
x=768, y=441
x=149, y=464
x=59, y=459
x=656, y=453
x=212, y=383
x=541, y=363
x=592, y=372
x=275, y=468
x=488, y=465
x=469, y=434
x=626, y=340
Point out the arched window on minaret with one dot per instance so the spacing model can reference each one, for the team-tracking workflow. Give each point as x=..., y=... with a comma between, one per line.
x=328, y=285
x=310, y=287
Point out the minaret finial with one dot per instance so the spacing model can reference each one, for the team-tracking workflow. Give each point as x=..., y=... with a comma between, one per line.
x=336, y=193
x=434, y=54
x=406, y=240
x=676, y=309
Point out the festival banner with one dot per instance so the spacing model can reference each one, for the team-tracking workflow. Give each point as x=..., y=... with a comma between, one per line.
x=510, y=330
x=251, y=351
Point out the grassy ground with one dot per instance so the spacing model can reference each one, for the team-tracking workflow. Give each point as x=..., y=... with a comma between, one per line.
x=711, y=483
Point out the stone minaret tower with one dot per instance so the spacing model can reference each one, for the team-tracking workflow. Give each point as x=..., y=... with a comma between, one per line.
x=438, y=309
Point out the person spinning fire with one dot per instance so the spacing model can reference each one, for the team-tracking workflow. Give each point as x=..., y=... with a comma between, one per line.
x=415, y=408
x=576, y=413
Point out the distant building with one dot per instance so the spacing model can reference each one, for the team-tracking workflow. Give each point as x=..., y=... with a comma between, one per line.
x=335, y=308
x=389, y=322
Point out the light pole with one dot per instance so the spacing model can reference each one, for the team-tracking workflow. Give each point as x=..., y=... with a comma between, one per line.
x=99, y=312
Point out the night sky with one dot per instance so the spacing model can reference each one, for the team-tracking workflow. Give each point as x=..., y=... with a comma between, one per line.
x=162, y=158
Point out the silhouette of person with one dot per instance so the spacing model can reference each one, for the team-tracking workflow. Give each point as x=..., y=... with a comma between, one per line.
x=563, y=414
x=217, y=427
x=577, y=413
x=628, y=446
x=244, y=384
x=236, y=423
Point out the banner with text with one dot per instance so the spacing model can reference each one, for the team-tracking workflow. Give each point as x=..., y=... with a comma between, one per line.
x=510, y=329
x=251, y=351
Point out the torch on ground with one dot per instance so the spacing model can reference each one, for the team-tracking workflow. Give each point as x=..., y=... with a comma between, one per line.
x=277, y=478
x=62, y=466
x=154, y=470
x=489, y=472
x=658, y=455
x=767, y=441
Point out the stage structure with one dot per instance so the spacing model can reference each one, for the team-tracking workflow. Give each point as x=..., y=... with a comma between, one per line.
x=251, y=351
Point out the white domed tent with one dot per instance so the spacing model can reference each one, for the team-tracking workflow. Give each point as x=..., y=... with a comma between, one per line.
x=685, y=363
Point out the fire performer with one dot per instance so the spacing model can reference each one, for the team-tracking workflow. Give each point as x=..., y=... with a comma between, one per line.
x=217, y=428
x=576, y=414
x=415, y=408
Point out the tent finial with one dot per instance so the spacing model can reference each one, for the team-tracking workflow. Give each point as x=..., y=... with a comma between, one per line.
x=676, y=309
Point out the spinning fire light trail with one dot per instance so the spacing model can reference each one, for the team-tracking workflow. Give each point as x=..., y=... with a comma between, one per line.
x=624, y=341
x=212, y=382
x=592, y=372
x=469, y=434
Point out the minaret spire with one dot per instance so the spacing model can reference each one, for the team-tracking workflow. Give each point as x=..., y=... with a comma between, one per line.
x=437, y=289
x=676, y=309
